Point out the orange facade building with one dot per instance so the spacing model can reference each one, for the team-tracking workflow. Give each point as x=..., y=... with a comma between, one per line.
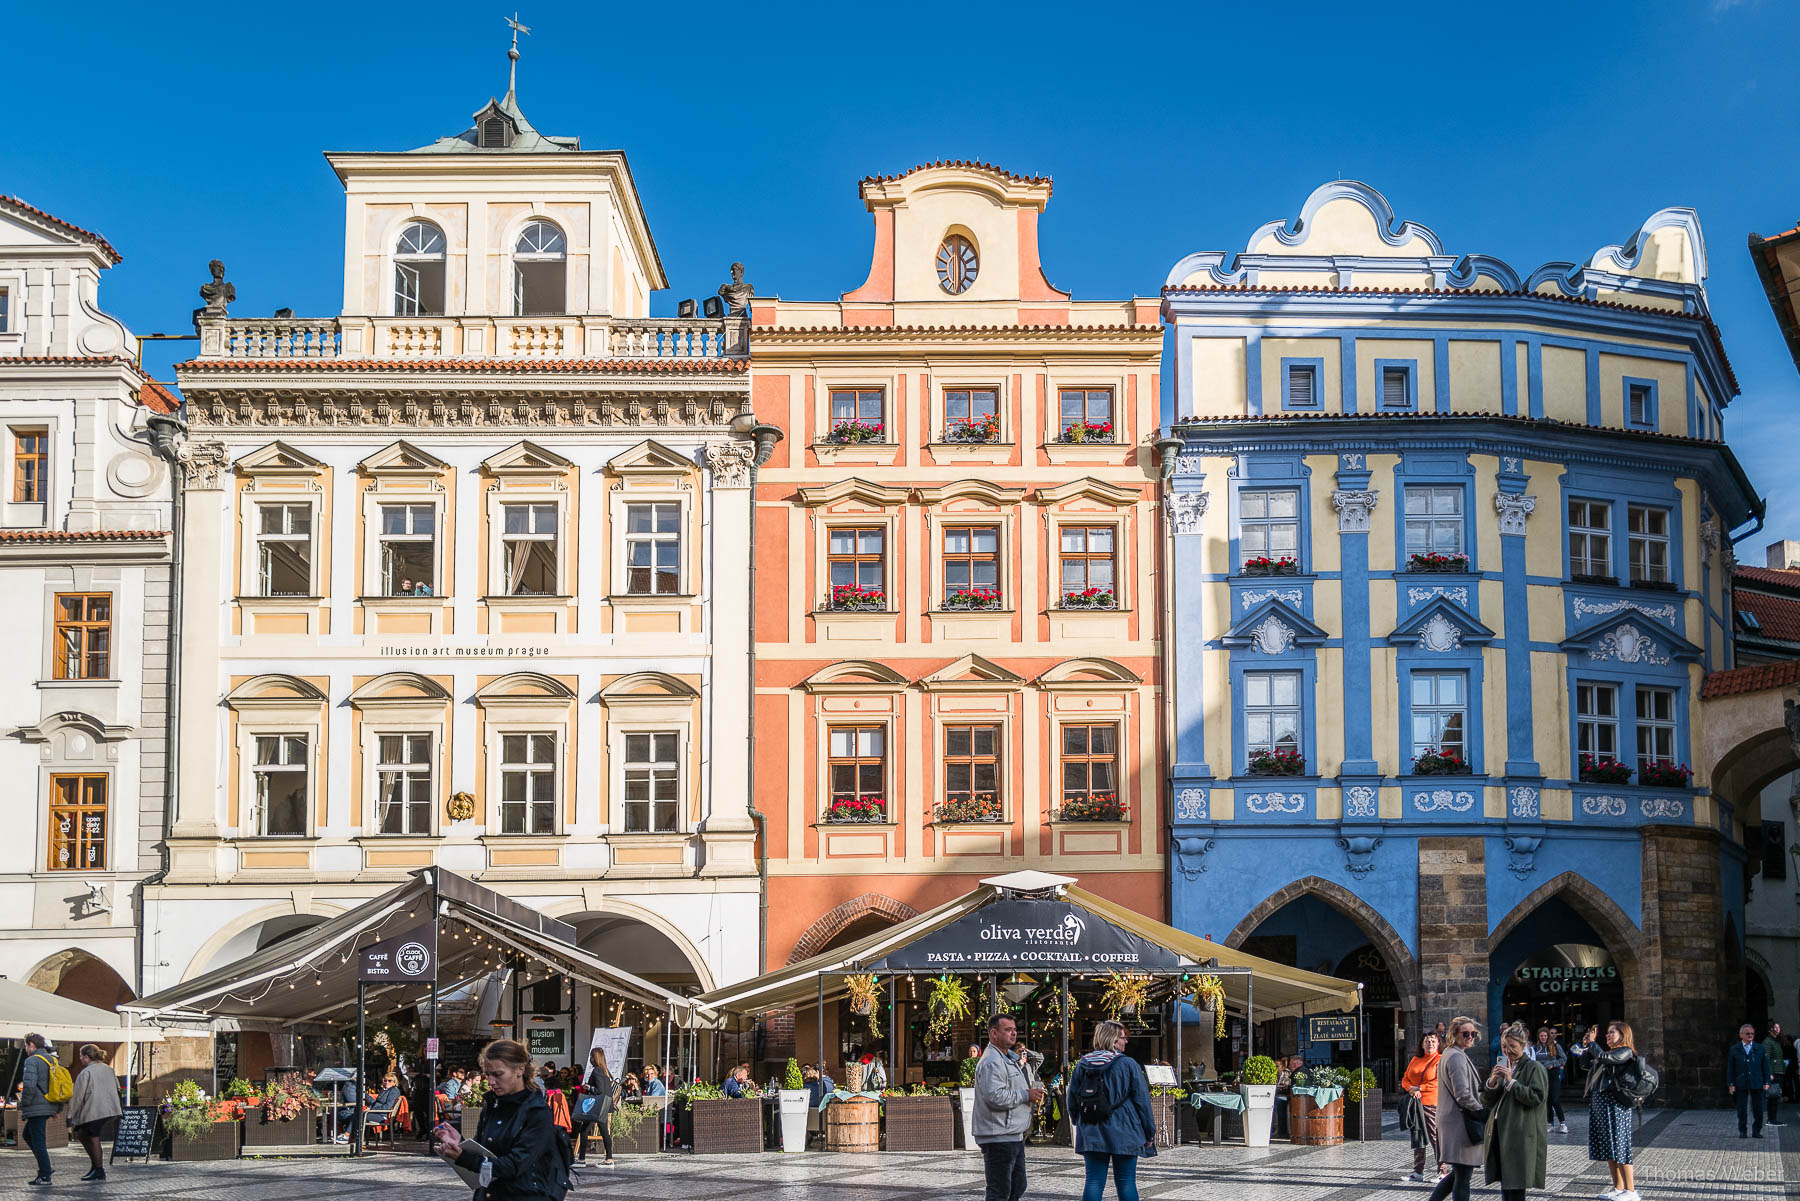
x=957, y=580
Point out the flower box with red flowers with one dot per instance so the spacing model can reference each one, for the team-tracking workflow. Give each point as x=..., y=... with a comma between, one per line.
x=1088, y=431
x=855, y=431
x=971, y=807
x=973, y=598
x=1094, y=807
x=1603, y=769
x=1664, y=773
x=1090, y=598
x=1277, y=763
x=973, y=429
x=1437, y=562
x=1264, y=565
x=855, y=810
x=849, y=598
x=1440, y=763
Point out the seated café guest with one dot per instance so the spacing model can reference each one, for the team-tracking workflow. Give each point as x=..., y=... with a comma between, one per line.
x=734, y=1083
x=1285, y=1077
x=653, y=1085
x=453, y=1084
x=630, y=1089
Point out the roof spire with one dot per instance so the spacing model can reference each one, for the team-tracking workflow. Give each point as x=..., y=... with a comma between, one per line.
x=512, y=68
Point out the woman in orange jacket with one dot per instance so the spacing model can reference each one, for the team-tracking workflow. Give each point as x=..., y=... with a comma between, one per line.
x=1419, y=1112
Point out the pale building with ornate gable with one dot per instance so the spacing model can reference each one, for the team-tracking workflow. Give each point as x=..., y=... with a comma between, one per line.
x=469, y=578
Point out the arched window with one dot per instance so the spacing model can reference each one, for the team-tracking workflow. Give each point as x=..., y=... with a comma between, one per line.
x=957, y=264
x=540, y=271
x=419, y=271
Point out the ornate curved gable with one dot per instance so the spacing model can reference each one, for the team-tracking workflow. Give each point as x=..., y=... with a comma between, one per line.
x=524, y=688
x=648, y=685
x=854, y=489
x=1089, y=674
x=984, y=490
x=855, y=675
x=399, y=688
x=274, y=691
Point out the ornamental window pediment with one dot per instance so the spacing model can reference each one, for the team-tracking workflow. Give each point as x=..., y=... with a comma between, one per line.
x=855, y=675
x=278, y=464
x=275, y=691
x=402, y=459
x=1441, y=626
x=984, y=492
x=527, y=460
x=1089, y=675
x=651, y=458
x=972, y=673
x=1088, y=488
x=873, y=495
x=399, y=688
x=1273, y=627
x=1631, y=638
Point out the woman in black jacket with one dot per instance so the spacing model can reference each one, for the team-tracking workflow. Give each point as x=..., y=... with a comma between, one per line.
x=601, y=1087
x=527, y=1163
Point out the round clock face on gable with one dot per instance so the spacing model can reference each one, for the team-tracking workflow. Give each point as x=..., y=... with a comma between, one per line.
x=956, y=264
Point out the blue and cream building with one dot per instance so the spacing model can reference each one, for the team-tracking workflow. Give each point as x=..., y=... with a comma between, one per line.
x=1428, y=510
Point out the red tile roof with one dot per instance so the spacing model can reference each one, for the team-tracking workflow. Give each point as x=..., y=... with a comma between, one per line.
x=1777, y=617
x=1707, y=322
x=1780, y=288
x=157, y=398
x=63, y=360
x=70, y=226
x=554, y=366
x=968, y=163
x=1769, y=575
x=1758, y=678
x=81, y=535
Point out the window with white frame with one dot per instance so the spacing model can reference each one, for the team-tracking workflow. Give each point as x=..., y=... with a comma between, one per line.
x=859, y=407
x=1597, y=720
x=408, y=550
x=540, y=263
x=1440, y=709
x=403, y=797
x=528, y=783
x=419, y=271
x=530, y=549
x=972, y=563
x=279, y=778
x=284, y=550
x=652, y=782
x=1647, y=543
x=1434, y=520
x=1268, y=524
x=653, y=549
x=1087, y=560
x=1590, y=538
x=1273, y=714
x=1655, y=726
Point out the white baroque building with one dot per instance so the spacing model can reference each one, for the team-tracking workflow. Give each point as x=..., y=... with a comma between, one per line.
x=467, y=580
x=84, y=597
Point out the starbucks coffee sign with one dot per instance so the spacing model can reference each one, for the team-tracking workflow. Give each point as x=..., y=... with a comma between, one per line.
x=1568, y=969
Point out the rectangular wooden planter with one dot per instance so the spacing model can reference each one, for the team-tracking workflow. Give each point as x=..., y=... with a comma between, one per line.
x=221, y=1142
x=471, y=1118
x=642, y=1141
x=918, y=1123
x=260, y=1133
x=726, y=1127
x=1362, y=1119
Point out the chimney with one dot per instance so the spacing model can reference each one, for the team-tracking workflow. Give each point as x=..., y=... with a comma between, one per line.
x=1784, y=555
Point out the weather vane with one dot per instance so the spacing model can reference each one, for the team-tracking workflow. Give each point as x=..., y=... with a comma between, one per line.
x=512, y=69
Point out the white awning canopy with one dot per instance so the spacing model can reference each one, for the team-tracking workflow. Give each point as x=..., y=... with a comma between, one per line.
x=26, y=1010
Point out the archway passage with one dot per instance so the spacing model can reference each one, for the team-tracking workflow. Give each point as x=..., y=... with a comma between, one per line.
x=856, y=918
x=80, y=976
x=1320, y=926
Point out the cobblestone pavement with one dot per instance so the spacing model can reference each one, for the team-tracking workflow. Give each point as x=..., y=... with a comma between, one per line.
x=1692, y=1155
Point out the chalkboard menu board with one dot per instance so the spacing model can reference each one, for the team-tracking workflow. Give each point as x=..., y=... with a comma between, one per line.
x=137, y=1131
x=225, y=1060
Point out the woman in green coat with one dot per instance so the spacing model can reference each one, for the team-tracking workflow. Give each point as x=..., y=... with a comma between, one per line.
x=1514, y=1097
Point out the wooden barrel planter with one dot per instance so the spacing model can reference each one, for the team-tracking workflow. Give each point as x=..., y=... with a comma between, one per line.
x=221, y=1142
x=1311, y=1125
x=1362, y=1119
x=918, y=1123
x=262, y=1134
x=853, y=1126
x=724, y=1127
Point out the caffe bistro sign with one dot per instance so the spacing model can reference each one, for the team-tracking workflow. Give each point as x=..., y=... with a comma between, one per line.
x=1026, y=934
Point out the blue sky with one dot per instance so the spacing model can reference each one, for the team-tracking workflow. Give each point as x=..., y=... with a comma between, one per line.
x=1532, y=132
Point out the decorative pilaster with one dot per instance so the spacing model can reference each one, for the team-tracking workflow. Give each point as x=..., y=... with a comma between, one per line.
x=1354, y=506
x=727, y=831
x=1513, y=506
x=194, y=834
x=1184, y=507
x=1355, y=503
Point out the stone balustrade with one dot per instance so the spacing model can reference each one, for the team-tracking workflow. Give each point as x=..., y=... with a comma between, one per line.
x=474, y=337
x=279, y=338
x=677, y=337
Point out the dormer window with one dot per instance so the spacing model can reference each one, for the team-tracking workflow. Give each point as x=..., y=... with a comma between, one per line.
x=540, y=262
x=419, y=271
x=496, y=133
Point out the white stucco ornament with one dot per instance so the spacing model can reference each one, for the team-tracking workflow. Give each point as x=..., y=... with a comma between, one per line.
x=1353, y=508
x=729, y=463
x=1275, y=802
x=1658, y=806
x=1627, y=644
x=1190, y=805
x=1443, y=800
x=1272, y=636
x=1359, y=801
x=1514, y=508
x=1603, y=806
x=1439, y=634
x=1524, y=801
x=1185, y=509
x=1253, y=597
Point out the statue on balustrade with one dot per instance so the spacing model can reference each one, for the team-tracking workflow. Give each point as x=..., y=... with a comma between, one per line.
x=216, y=293
x=737, y=293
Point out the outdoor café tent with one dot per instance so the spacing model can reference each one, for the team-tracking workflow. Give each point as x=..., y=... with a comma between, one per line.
x=308, y=982
x=990, y=930
x=26, y=1010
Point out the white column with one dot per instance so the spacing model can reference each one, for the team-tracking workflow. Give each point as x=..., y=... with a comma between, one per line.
x=728, y=832
x=194, y=836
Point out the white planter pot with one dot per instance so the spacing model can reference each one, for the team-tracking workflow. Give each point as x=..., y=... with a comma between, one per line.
x=794, y=1105
x=966, y=1096
x=1259, y=1112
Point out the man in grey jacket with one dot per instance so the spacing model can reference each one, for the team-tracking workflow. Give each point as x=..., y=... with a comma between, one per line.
x=34, y=1111
x=1004, y=1096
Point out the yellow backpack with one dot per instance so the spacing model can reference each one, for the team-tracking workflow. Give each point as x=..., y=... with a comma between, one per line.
x=61, y=1086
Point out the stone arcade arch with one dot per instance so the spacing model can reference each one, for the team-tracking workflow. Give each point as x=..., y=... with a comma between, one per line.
x=1618, y=933
x=853, y=919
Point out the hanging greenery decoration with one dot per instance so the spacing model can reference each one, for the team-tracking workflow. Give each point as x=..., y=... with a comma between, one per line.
x=865, y=1000
x=948, y=1005
x=1209, y=993
x=995, y=1005
x=1124, y=993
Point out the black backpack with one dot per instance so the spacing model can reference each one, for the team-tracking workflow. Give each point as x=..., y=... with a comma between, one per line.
x=1096, y=1094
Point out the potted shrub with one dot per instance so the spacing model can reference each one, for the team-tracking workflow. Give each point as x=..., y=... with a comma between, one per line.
x=1088, y=431
x=1090, y=598
x=472, y=1095
x=199, y=1127
x=285, y=1117
x=1094, y=807
x=850, y=810
x=795, y=1101
x=1664, y=773
x=849, y=598
x=855, y=431
x=965, y=1096
x=1439, y=763
x=917, y=1120
x=1437, y=562
x=636, y=1129
x=975, y=807
x=1362, y=1107
x=721, y=1125
x=973, y=429
x=1603, y=769
x=1277, y=763
x=1256, y=1084
x=973, y=598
